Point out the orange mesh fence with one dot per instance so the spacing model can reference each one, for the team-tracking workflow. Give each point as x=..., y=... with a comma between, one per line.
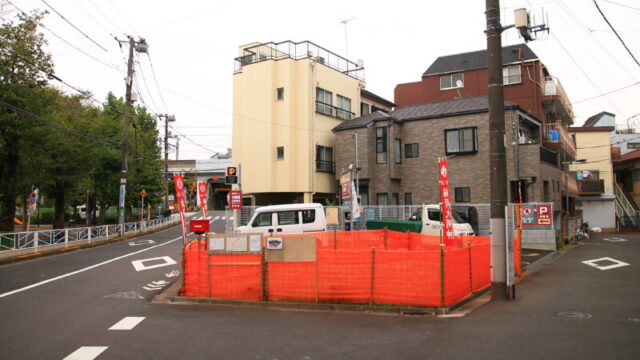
x=235, y=276
x=292, y=281
x=457, y=277
x=344, y=276
x=360, y=270
x=407, y=277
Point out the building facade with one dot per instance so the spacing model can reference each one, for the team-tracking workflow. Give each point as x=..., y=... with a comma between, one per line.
x=398, y=154
x=287, y=97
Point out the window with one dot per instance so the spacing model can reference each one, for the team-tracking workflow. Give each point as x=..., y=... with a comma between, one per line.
x=308, y=216
x=324, y=159
x=324, y=101
x=280, y=153
x=263, y=219
x=394, y=199
x=381, y=198
x=411, y=150
x=343, y=110
x=381, y=145
x=364, y=109
x=451, y=81
x=434, y=214
x=408, y=199
x=633, y=145
x=397, y=150
x=280, y=93
x=463, y=194
x=461, y=141
x=287, y=217
x=511, y=75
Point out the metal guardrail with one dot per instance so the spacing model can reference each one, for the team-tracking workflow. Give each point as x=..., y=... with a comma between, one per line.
x=623, y=206
x=35, y=239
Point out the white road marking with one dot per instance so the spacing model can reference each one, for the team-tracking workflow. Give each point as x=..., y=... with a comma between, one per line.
x=174, y=273
x=216, y=218
x=140, y=266
x=126, y=295
x=127, y=323
x=594, y=263
x=615, y=239
x=85, y=269
x=141, y=242
x=86, y=353
x=155, y=285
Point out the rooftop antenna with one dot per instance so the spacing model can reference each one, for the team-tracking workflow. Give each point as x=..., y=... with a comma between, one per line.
x=346, y=47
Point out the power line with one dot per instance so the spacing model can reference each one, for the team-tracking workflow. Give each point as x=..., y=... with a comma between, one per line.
x=105, y=16
x=91, y=16
x=190, y=140
x=75, y=27
x=122, y=17
x=153, y=72
x=606, y=93
x=57, y=125
x=615, y=32
x=623, y=5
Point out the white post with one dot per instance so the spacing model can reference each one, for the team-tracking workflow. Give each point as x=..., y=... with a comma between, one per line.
x=107, y=231
x=66, y=237
x=89, y=229
x=35, y=241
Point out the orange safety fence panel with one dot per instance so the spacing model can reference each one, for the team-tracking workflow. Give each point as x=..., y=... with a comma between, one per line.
x=291, y=281
x=235, y=276
x=344, y=275
x=359, y=240
x=407, y=277
x=480, y=266
x=397, y=240
x=423, y=242
x=457, y=279
x=193, y=264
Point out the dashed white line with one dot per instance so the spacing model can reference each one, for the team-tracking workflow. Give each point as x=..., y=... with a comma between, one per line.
x=86, y=353
x=127, y=323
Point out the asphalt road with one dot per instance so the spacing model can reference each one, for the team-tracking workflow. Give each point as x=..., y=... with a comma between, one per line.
x=96, y=288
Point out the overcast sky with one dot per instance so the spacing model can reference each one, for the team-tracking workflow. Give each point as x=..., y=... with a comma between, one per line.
x=192, y=44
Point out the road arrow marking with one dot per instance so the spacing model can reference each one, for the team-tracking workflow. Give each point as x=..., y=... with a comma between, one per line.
x=127, y=323
x=141, y=242
x=86, y=353
x=155, y=285
x=607, y=265
x=140, y=266
x=174, y=273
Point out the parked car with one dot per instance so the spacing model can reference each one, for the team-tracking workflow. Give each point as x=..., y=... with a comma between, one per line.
x=425, y=220
x=287, y=219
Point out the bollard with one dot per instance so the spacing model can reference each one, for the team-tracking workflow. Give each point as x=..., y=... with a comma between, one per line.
x=89, y=234
x=35, y=241
x=66, y=238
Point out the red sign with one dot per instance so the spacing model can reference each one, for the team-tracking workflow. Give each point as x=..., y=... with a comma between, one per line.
x=235, y=199
x=179, y=185
x=199, y=226
x=544, y=214
x=445, y=198
x=202, y=192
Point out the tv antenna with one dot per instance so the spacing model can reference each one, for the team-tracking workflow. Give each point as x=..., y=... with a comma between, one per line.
x=346, y=47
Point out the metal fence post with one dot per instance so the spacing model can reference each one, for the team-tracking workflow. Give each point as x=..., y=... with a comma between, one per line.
x=373, y=274
x=107, y=231
x=66, y=237
x=90, y=230
x=35, y=241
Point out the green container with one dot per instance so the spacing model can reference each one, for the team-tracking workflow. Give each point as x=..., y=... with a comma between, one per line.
x=395, y=225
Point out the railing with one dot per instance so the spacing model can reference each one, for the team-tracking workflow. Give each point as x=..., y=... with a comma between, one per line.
x=624, y=208
x=556, y=133
x=325, y=166
x=333, y=111
x=552, y=87
x=548, y=156
x=35, y=239
x=591, y=187
x=297, y=51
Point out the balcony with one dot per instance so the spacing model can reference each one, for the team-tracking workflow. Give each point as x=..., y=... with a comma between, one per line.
x=548, y=156
x=572, y=186
x=555, y=102
x=556, y=136
x=333, y=111
x=325, y=166
x=591, y=187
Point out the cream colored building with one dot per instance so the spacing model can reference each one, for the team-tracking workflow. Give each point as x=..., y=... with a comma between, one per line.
x=595, y=177
x=286, y=99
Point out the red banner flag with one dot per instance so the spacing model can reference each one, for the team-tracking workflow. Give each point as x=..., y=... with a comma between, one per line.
x=445, y=199
x=202, y=192
x=179, y=185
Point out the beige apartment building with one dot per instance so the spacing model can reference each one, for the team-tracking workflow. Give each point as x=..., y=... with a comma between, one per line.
x=287, y=97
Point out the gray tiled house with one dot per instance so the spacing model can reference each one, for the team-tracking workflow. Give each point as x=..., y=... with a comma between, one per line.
x=398, y=153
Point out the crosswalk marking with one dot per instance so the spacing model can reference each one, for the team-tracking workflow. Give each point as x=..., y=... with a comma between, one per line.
x=127, y=323
x=86, y=353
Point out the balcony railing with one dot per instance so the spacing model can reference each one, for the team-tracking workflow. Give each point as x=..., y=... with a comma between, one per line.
x=556, y=133
x=325, y=166
x=553, y=88
x=548, y=156
x=591, y=187
x=333, y=111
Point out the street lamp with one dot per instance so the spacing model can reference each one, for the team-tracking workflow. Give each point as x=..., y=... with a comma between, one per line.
x=566, y=191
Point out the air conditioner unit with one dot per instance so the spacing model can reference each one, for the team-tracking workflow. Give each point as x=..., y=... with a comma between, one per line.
x=319, y=59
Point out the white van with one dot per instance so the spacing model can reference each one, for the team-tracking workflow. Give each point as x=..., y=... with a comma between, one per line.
x=286, y=219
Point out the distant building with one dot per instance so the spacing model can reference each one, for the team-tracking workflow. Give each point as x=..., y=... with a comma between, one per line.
x=287, y=97
x=625, y=139
x=211, y=171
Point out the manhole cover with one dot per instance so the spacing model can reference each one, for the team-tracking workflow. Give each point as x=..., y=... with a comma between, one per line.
x=572, y=314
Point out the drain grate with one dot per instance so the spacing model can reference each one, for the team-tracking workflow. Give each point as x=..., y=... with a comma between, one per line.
x=572, y=315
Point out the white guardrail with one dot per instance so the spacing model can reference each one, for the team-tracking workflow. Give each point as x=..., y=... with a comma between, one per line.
x=42, y=238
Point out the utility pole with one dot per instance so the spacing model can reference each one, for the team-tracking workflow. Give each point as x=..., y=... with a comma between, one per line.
x=167, y=119
x=139, y=46
x=498, y=152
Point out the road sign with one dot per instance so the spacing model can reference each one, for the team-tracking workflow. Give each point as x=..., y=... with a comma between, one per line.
x=143, y=193
x=232, y=171
x=231, y=175
x=235, y=199
x=230, y=180
x=33, y=197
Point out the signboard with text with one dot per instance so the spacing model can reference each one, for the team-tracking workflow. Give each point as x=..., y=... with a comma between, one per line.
x=537, y=214
x=445, y=197
x=235, y=199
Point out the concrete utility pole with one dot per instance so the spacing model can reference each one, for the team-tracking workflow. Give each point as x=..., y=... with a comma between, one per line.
x=139, y=46
x=167, y=119
x=498, y=153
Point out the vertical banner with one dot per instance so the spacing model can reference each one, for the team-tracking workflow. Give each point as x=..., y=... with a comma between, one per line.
x=355, y=204
x=445, y=199
x=179, y=185
x=202, y=192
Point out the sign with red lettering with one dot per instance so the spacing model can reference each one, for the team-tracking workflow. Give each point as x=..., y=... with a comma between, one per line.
x=445, y=198
x=235, y=199
x=202, y=192
x=178, y=181
x=544, y=214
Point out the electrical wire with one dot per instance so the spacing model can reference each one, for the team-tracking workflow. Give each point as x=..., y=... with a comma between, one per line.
x=106, y=17
x=153, y=72
x=72, y=25
x=615, y=32
x=79, y=5
x=623, y=5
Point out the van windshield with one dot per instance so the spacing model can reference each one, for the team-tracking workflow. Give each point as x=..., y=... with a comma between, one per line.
x=435, y=215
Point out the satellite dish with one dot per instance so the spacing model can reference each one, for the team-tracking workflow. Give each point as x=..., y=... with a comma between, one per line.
x=360, y=63
x=459, y=83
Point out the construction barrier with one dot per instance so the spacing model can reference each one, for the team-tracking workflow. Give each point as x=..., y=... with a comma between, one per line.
x=374, y=266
